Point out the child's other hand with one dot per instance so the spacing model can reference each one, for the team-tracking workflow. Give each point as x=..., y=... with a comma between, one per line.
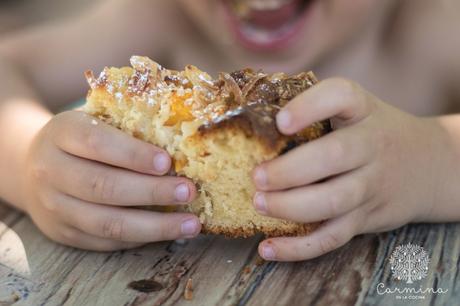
x=84, y=177
x=377, y=171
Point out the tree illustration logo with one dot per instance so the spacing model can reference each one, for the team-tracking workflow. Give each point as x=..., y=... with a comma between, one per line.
x=409, y=262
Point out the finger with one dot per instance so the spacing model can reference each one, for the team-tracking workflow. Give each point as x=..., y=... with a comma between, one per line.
x=124, y=224
x=90, y=138
x=99, y=183
x=78, y=239
x=315, y=202
x=330, y=236
x=332, y=154
x=335, y=97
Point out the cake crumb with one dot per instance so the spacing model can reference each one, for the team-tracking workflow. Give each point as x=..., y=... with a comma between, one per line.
x=94, y=122
x=259, y=261
x=180, y=241
x=229, y=261
x=8, y=298
x=188, y=292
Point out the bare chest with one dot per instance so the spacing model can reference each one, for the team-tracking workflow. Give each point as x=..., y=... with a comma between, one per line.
x=407, y=83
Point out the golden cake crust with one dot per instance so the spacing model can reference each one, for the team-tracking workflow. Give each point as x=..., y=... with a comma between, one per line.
x=244, y=232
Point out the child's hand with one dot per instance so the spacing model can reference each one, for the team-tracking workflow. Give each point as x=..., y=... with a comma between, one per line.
x=84, y=177
x=377, y=171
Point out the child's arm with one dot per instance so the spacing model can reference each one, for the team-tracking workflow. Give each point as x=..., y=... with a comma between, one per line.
x=53, y=57
x=380, y=169
x=79, y=178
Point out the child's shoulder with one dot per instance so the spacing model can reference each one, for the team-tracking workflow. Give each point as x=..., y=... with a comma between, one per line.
x=427, y=33
x=434, y=29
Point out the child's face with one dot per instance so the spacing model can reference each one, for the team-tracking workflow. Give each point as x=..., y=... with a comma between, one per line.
x=287, y=35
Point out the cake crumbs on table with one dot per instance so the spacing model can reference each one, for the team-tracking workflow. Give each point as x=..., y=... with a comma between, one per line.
x=188, y=292
x=181, y=241
x=94, y=122
x=259, y=261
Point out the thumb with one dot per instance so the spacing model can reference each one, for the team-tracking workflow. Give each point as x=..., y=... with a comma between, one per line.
x=339, y=99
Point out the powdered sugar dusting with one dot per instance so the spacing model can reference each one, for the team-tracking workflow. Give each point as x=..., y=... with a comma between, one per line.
x=91, y=79
x=151, y=101
x=119, y=96
x=208, y=100
x=94, y=82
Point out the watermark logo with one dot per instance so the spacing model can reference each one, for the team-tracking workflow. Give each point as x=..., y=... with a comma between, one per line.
x=409, y=262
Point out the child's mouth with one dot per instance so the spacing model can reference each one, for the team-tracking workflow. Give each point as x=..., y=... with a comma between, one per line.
x=266, y=24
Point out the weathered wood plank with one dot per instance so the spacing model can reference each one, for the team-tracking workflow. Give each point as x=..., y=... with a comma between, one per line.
x=9, y=257
x=170, y=264
x=336, y=278
x=8, y=216
x=35, y=264
x=224, y=271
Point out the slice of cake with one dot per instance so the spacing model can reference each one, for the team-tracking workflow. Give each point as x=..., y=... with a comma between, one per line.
x=216, y=130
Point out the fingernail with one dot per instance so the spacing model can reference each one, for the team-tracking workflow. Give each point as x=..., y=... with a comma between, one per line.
x=268, y=252
x=260, y=177
x=283, y=119
x=189, y=227
x=260, y=203
x=161, y=162
x=182, y=192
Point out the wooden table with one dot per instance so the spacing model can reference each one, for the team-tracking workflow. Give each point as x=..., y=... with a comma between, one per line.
x=36, y=271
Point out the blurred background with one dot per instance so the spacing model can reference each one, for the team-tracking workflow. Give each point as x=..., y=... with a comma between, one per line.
x=19, y=14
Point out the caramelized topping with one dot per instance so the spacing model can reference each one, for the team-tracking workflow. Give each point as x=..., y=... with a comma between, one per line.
x=251, y=82
x=242, y=77
x=179, y=111
x=232, y=88
x=253, y=97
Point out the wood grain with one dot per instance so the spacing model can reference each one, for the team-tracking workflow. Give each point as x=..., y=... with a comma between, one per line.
x=223, y=271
